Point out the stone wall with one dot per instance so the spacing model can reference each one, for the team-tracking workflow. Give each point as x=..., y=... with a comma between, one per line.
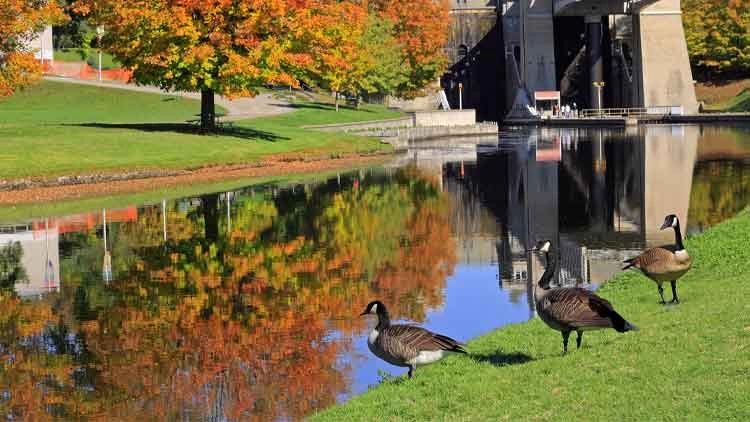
x=444, y=118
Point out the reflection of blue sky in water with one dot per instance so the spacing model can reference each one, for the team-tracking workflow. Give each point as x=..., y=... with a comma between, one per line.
x=600, y=194
x=474, y=305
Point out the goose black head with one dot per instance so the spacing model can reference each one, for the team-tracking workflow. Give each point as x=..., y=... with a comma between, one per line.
x=375, y=307
x=670, y=221
x=541, y=246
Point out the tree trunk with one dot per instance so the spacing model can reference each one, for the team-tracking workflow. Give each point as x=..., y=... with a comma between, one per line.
x=208, y=111
x=337, y=100
x=210, y=209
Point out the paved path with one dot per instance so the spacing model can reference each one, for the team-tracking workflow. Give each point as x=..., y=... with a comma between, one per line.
x=238, y=109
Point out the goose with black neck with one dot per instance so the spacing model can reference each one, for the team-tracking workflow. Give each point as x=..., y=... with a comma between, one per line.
x=568, y=309
x=664, y=263
x=406, y=345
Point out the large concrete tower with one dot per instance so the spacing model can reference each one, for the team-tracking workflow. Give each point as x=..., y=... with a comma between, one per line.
x=662, y=74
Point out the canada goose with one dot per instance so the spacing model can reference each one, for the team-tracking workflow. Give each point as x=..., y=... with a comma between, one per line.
x=664, y=263
x=568, y=309
x=406, y=345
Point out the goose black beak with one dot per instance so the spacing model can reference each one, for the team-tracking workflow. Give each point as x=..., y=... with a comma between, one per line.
x=363, y=313
x=664, y=226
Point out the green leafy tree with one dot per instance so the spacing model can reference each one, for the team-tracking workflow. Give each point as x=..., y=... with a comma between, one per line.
x=718, y=35
x=11, y=268
x=385, y=74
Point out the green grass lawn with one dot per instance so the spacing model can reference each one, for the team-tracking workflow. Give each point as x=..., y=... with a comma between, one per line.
x=688, y=362
x=738, y=104
x=29, y=211
x=92, y=58
x=56, y=129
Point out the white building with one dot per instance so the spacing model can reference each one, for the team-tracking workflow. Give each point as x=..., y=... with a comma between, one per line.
x=41, y=257
x=42, y=46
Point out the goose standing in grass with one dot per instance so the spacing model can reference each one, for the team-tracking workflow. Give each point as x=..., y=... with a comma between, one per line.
x=664, y=263
x=406, y=345
x=568, y=309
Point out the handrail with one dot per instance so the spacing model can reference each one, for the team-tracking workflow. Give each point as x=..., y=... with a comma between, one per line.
x=630, y=111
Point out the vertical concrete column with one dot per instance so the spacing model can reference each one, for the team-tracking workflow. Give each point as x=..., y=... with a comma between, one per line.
x=594, y=47
x=661, y=71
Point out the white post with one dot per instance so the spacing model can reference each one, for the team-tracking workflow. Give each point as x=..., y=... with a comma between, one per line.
x=99, y=33
x=460, y=96
x=104, y=216
x=229, y=214
x=41, y=51
x=164, y=218
x=46, y=242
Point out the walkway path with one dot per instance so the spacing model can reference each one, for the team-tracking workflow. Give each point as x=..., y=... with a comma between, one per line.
x=238, y=109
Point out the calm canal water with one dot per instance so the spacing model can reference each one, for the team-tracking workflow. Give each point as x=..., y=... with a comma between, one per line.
x=244, y=304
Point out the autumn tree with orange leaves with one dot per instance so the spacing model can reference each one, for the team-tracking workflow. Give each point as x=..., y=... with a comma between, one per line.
x=20, y=20
x=208, y=46
x=387, y=47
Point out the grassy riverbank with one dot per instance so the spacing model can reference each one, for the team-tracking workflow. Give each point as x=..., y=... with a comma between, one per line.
x=57, y=129
x=28, y=211
x=725, y=96
x=688, y=362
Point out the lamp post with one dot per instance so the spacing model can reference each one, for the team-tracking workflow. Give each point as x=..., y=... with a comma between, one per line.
x=460, y=96
x=99, y=34
x=598, y=85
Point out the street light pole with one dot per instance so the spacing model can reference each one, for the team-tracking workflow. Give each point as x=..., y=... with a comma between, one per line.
x=99, y=33
x=599, y=85
x=460, y=96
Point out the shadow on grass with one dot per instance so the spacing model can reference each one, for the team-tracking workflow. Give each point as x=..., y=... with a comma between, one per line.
x=326, y=107
x=191, y=129
x=502, y=359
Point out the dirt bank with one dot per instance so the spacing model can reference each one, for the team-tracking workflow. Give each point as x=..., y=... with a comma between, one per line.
x=130, y=182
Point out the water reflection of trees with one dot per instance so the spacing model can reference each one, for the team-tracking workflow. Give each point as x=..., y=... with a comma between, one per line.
x=721, y=189
x=226, y=318
x=11, y=268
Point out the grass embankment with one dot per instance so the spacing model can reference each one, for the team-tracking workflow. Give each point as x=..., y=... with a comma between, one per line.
x=725, y=96
x=687, y=362
x=737, y=104
x=57, y=129
x=28, y=211
x=91, y=57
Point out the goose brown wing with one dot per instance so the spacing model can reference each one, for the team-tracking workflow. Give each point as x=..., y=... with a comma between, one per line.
x=409, y=340
x=654, y=260
x=579, y=308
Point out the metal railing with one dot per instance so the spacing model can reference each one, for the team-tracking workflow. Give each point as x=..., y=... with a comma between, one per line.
x=631, y=111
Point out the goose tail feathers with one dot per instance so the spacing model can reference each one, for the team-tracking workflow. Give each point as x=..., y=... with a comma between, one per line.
x=630, y=327
x=620, y=324
x=450, y=345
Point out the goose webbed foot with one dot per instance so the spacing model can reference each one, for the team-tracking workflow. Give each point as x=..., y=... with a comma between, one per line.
x=674, y=292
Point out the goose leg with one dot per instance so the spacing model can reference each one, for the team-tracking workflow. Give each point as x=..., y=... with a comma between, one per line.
x=578, y=340
x=661, y=293
x=412, y=368
x=674, y=291
x=566, y=335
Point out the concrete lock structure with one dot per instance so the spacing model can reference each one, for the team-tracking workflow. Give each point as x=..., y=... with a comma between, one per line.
x=597, y=53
